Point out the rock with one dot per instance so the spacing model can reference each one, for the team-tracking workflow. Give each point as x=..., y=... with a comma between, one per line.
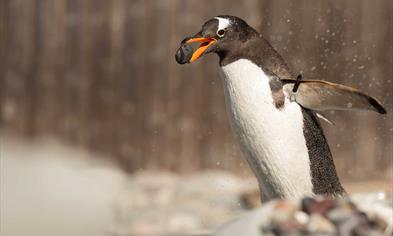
x=163, y=203
x=378, y=207
x=251, y=199
x=320, y=225
x=315, y=216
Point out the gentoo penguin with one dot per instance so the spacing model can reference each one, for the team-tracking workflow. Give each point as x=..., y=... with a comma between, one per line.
x=272, y=112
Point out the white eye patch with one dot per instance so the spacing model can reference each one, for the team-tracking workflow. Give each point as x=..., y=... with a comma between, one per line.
x=222, y=23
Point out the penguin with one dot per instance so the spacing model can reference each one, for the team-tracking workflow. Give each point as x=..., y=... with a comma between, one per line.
x=273, y=113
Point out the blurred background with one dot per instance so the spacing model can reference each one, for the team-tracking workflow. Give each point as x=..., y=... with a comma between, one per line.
x=94, y=83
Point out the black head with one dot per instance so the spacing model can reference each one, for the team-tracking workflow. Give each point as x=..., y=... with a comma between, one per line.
x=219, y=35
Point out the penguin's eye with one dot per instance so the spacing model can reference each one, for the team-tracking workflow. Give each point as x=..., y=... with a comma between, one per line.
x=221, y=33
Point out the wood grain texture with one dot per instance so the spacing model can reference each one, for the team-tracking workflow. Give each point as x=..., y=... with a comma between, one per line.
x=101, y=74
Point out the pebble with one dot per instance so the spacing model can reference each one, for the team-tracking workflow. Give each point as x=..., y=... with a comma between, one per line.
x=165, y=204
x=318, y=216
x=184, y=54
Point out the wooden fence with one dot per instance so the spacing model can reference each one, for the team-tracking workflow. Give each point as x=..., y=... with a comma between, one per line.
x=101, y=74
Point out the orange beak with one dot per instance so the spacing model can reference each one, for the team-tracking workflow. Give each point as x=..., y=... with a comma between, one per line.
x=205, y=44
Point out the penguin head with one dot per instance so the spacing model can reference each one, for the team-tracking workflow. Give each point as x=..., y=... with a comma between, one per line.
x=218, y=35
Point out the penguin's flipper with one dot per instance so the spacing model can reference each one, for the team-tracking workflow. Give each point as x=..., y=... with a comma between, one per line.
x=321, y=95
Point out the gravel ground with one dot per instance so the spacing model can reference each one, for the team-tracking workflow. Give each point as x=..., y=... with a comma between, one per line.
x=53, y=189
x=364, y=214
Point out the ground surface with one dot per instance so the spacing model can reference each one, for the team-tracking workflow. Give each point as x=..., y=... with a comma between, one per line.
x=53, y=189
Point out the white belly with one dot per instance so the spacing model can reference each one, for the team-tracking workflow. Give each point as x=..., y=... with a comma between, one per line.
x=272, y=140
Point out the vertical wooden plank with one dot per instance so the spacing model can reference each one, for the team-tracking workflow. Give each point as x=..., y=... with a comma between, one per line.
x=59, y=116
x=49, y=79
x=157, y=79
x=190, y=90
x=14, y=106
x=349, y=56
x=31, y=89
x=116, y=75
x=84, y=86
x=133, y=89
x=386, y=88
x=168, y=132
x=370, y=70
x=4, y=24
x=74, y=78
x=100, y=96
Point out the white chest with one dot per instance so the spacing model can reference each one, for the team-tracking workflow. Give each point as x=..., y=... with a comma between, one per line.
x=272, y=140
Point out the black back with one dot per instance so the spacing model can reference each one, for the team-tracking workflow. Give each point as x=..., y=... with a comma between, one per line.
x=323, y=171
